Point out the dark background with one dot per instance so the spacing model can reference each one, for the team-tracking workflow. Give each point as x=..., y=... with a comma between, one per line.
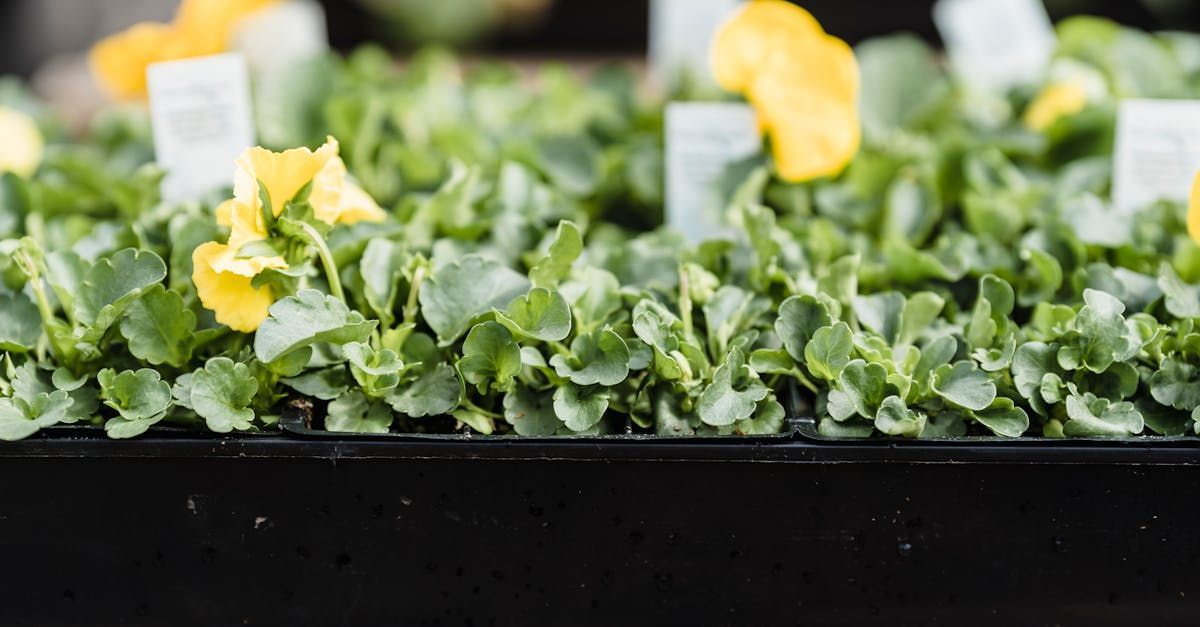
x=620, y=26
x=35, y=31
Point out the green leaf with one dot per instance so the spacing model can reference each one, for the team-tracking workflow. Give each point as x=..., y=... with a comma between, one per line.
x=541, y=315
x=1091, y=416
x=771, y=361
x=1182, y=300
x=1176, y=384
x=376, y=371
x=600, y=357
x=460, y=292
x=768, y=419
x=1004, y=418
x=354, y=413
x=20, y=419
x=800, y=317
x=113, y=283
x=896, y=419
x=864, y=386
x=141, y=398
x=221, y=394
x=580, y=408
x=571, y=162
x=829, y=351
x=881, y=313
x=305, y=319
x=325, y=384
x=530, y=412
x=20, y=323
x=964, y=385
x=159, y=328
x=733, y=394
x=434, y=393
x=594, y=295
x=491, y=357
x=902, y=83
x=1103, y=330
x=556, y=264
x=381, y=268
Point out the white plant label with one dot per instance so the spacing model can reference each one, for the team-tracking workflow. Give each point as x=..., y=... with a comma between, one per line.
x=1156, y=153
x=681, y=34
x=281, y=35
x=200, y=115
x=702, y=140
x=996, y=44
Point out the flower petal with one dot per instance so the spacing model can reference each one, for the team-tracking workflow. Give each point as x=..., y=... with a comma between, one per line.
x=745, y=41
x=209, y=24
x=282, y=173
x=358, y=206
x=1055, y=101
x=236, y=303
x=119, y=61
x=21, y=150
x=1193, y=215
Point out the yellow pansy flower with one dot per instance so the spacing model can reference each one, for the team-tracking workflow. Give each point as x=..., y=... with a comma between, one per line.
x=223, y=280
x=1193, y=215
x=1055, y=102
x=201, y=27
x=21, y=150
x=120, y=61
x=803, y=82
x=208, y=24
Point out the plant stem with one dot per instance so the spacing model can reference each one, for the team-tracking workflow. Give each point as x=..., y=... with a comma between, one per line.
x=411, y=306
x=685, y=303
x=467, y=404
x=331, y=269
x=805, y=381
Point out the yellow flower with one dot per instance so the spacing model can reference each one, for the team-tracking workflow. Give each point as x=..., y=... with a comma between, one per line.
x=21, y=150
x=1193, y=215
x=1055, y=102
x=334, y=198
x=208, y=24
x=282, y=174
x=803, y=82
x=224, y=281
x=201, y=27
x=120, y=61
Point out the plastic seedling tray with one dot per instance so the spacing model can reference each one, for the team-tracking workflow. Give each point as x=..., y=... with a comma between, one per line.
x=331, y=530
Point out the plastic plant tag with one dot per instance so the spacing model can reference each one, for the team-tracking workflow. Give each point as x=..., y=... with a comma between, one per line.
x=281, y=35
x=681, y=33
x=200, y=115
x=284, y=45
x=702, y=140
x=1156, y=153
x=996, y=44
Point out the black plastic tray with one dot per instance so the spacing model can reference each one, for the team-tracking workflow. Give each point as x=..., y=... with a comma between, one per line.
x=275, y=530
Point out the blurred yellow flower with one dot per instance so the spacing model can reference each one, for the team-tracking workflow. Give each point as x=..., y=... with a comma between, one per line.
x=224, y=280
x=1193, y=215
x=21, y=150
x=1053, y=103
x=803, y=82
x=201, y=27
x=208, y=24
